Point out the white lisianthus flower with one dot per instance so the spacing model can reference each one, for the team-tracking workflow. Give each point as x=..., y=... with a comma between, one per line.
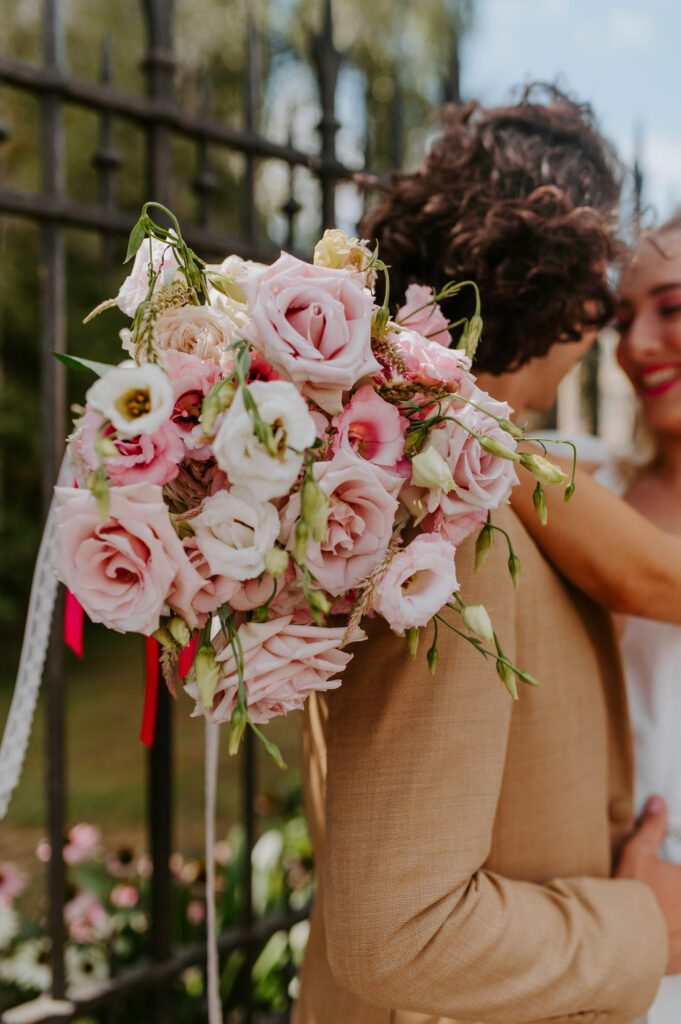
x=235, y=533
x=86, y=967
x=245, y=459
x=28, y=967
x=136, y=399
x=476, y=619
x=430, y=469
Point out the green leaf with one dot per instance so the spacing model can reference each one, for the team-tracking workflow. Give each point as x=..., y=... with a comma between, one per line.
x=76, y=363
x=137, y=236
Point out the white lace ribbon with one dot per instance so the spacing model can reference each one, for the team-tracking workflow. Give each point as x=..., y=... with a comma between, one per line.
x=212, y=960
x=33, y=653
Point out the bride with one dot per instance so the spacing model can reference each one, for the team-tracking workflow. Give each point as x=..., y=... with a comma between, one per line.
x=649, y=323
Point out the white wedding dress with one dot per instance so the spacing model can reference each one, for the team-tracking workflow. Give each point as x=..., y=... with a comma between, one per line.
x=651, y=655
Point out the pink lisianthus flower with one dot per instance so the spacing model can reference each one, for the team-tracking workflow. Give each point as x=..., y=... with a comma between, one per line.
x=83, y=842
x=481, y=480
x=373, y=429
x=86, y=919
x=420, y=579
x=284, y=663
x=313, y=324
x=147, y=458
x=191, y=379
x=430, y=363
x=422, y=314
x=362, y=506
x=12, y=883
x=135, y=288
x=125, y=569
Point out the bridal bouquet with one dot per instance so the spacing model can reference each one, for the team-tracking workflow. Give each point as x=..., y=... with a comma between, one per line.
x=277, y=458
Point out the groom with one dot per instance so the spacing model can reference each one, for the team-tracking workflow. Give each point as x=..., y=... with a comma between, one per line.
x=465, y=842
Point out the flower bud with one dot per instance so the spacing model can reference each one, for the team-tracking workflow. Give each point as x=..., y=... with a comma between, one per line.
x=432, y=658
x=429, y=469
x=276, y=562
x=412, y=636
x=318, y=600
x=482, y=546
x=507, y=676
x=219, y=398
x=226, y=285
x=476, y=619
x=512, y=429
x=179, y=630
x=569, y=490
x=539, y=499
x=207, y=674
x=237, y=727
x=163, y=637
x=302, y=537
x=415, y=439
x=105, y=447
x=544, y=471
x=473, y=335
x=527, y=678
x=514, y=569
x=98, y=485
x=314, y=508
x=495, y=447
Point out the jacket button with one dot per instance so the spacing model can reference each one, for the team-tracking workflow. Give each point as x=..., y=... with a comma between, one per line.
x=620, y=810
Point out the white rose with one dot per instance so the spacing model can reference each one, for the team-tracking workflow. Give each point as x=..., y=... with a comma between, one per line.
x=244, y=458
x=137, y=399
x=429, y=469
x=235, y=533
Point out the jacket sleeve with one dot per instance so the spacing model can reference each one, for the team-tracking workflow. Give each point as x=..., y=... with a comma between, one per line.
x=413, y=920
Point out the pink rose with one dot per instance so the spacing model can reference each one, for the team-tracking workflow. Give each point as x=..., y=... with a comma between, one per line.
x=430, y=363
x=314, y=325
x=135, y=288
x=363, y=502
x=481, y=480
x=147, y=458
x=125, y=569
x=373, y=429
x=284, y=663
x=420, y=313
x=420, y=579
x=457, y=529
x=216, y=589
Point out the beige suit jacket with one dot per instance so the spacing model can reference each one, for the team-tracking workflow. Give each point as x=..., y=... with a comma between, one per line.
x=464, y=841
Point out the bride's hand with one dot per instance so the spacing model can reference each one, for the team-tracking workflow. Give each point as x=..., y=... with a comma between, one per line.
x=639, y=860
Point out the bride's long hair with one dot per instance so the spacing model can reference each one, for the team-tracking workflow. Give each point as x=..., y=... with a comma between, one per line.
x=519, y=199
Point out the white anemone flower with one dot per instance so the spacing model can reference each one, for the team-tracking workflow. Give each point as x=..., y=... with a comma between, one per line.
x=86, y=968
x=136, y=399
x=28, y=967
x=245, y=459
x=235, y=533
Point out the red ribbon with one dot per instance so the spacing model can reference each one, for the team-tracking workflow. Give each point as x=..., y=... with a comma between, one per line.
x=73, y=624
x=150, y=693
x=187, y=657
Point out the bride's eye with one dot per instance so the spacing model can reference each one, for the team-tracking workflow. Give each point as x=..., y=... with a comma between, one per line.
x=670, y=310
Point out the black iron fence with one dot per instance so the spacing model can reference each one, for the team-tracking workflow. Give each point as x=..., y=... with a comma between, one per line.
x=55, y=211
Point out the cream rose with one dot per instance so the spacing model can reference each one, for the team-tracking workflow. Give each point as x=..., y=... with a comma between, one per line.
x=235, y=533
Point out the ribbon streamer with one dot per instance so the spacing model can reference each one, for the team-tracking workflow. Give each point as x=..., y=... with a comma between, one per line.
x=73, y=624
x=148, y=729
x=33, y=653
x=213, y=964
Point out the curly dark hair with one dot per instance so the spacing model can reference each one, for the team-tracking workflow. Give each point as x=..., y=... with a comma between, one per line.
x=521, y=200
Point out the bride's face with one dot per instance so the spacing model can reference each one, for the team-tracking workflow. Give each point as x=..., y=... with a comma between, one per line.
x=649, y=323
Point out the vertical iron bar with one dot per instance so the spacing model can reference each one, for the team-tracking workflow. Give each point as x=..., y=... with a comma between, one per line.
x=106, y=158
x=327, y=60
x=53, y=288
x=250, y=114
x=205, y=183
x=248, y=787
x=159, y=65
x=397, y=125
x=451, y=91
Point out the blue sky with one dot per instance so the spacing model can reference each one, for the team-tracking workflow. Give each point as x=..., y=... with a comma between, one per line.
x=623, y=57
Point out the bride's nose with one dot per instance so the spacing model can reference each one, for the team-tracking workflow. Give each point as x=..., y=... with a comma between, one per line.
x=642, y=342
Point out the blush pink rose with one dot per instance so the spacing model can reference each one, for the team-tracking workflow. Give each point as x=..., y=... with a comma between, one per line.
x=313, y=324
x=481, y=480
x=216, y=589
x=421, y=314
x=420, y=579
x=454, y=530
x=362, y=506
x=147, y=458
x=125, y=569
x=430, y=363
x=373, y=429
x=284, y=663
x=202, y=331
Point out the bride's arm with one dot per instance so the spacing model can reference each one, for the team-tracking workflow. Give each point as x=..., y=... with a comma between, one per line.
x=606, y=548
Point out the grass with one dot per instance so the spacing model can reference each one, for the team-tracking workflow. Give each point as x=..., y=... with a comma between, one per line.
x=106, y=762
